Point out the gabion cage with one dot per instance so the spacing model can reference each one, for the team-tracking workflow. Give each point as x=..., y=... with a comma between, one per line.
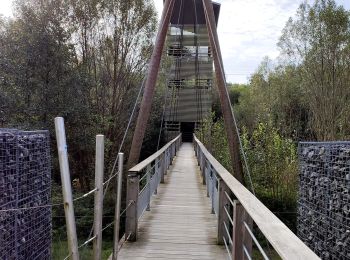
x=324, y=200
x=25, y=192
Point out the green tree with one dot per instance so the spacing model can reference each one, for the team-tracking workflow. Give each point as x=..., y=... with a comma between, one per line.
x=318, y=42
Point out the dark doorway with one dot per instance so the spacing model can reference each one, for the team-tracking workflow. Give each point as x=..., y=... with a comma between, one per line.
x=187, y=130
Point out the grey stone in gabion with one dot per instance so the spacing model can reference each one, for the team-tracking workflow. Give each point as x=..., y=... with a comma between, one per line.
x=324, y=200
x=25, y=182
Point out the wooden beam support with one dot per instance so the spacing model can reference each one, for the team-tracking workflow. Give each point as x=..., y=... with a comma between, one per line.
x=150, y=84
x=229, y=120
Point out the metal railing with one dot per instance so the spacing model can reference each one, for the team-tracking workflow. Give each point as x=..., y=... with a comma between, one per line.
x=237, y=210
x=142, y=183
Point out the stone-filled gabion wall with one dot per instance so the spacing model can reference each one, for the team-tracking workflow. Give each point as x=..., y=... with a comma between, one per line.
x=25, y=184
x=324, y=200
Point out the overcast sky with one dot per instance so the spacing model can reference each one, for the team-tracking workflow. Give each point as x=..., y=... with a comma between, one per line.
x=248, y=31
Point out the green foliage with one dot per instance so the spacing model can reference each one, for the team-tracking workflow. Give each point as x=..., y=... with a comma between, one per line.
x=84, y=61
x=318, y=43
x=60, y=250
x=212, y=134
x=305, y=96
x=273, y=163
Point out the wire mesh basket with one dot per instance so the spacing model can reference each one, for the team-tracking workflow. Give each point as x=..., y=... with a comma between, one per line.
x=25, y=193
x=324, y=199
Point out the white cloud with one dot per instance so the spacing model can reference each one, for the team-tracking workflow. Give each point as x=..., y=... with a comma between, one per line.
x=249, y=30
x=6, y=7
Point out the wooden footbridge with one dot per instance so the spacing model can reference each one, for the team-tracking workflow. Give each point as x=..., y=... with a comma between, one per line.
x=186, y=205
x=181, y=203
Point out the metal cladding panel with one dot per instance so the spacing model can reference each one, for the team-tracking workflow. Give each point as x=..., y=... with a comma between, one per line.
x=188, y=105
x=187, y=69
x=190, y=73
x=189, y=40
x=184, y=12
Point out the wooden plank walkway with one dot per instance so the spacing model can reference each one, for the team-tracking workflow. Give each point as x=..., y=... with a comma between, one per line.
x=179, y=225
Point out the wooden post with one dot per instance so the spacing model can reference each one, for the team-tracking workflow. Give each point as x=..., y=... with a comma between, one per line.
x=148, y=172
x=167, y=161
x=241, y=236
x=202, y=165
x=170, y=155
x=199, y=157
x=162, y=168
x=247, y=239
x=238, y=229
x=222, y=215
x=98, y=208
x=66, y=188
x=204, y=181
x=132, y=195
x=118, y=204
x=206, y=177
x=156, y=174
x=213, y=186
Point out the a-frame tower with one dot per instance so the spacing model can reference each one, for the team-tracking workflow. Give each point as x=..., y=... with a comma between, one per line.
x=209, y=11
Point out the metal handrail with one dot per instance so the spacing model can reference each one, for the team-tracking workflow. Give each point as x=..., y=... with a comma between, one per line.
x=140, y=166
x=282, y=239
x=154, y=175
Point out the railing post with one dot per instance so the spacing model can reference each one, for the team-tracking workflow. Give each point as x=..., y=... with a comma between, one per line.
x=118, y=204
x=148, y=172
x=132, y=195
x=166, y=160
x=213, y=184
x=222, y=214
x=98, y=200
x=206, y=177
x=241, y=236
x=156, y=174
x=202, y=163
x=203, y=170
x=237, y=237
x=170, y=156
x=162, y=168
x=66, y=188
x=247, y=239
x=199, y=157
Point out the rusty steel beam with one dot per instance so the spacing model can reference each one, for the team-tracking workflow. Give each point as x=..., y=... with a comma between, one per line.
x=150, y=84
x=226, y=107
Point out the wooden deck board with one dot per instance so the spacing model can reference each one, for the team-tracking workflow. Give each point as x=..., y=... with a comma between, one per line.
x=179, y=225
